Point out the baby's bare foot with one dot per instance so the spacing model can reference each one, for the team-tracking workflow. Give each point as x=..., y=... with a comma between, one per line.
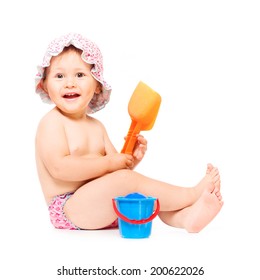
x=210, y=181
x=204, y=210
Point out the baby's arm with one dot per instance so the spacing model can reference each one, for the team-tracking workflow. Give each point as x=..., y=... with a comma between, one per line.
x=139, y=149
x=51, y=144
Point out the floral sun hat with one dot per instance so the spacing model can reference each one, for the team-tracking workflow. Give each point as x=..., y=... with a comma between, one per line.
x=90, y=54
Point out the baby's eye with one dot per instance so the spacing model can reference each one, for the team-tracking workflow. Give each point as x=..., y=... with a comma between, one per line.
x=59, y=76
x=80, y=75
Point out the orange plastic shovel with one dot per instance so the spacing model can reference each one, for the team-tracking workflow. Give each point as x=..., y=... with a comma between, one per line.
x=143, y=108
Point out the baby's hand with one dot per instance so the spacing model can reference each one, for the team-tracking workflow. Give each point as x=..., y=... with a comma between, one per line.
x=140, y=148
x=120, y=161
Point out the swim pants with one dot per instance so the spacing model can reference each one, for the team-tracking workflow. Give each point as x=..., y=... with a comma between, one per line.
x=58, y=217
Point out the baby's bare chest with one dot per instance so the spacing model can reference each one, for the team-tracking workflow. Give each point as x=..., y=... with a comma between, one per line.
x=85, y=139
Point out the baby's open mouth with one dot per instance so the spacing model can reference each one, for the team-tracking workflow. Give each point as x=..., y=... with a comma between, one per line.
x=71, y=95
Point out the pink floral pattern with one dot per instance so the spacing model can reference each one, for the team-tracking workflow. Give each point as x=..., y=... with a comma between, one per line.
x=90, y=54
x=58, y=217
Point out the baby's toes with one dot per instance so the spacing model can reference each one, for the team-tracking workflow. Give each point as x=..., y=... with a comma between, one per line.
x=209, y=168
x=218, y=195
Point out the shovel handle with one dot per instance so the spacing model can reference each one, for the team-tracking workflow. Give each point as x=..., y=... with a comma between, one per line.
x=130, y=141
x=137, y=222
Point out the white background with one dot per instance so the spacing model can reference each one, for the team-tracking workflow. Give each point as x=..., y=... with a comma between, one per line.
x=203, y=57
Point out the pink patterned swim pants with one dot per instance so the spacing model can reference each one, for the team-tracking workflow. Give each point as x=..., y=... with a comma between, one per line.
x=58, y=217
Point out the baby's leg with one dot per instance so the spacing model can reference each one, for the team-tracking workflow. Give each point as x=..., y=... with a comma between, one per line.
x=91, y=205
x=195, y=217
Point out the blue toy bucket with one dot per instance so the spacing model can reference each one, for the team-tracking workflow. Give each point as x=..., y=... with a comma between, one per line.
x=135, y=212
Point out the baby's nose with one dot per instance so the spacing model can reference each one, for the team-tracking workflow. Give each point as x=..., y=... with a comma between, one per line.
x=70, y=82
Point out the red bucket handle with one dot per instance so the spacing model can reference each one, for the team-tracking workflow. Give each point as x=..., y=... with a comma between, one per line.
x=137, y=222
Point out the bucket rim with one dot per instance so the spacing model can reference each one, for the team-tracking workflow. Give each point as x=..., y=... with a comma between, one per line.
x=135, y=196
x=134, y=199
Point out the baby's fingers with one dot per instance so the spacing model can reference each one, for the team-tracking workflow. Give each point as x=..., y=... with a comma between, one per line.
x=129, y=161
x=141, y=140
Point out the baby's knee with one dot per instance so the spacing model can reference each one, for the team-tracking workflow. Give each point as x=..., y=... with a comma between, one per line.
x=126, y=178
x=123, y=174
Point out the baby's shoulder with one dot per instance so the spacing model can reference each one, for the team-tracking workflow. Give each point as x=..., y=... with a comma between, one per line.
x=95, y=122
x=52, y=120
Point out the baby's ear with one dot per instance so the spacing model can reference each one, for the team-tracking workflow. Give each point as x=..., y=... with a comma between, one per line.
x=43, y=86
x=98, y=88
x=40, y=86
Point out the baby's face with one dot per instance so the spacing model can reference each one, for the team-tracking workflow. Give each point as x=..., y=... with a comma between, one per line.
x=69, y=82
